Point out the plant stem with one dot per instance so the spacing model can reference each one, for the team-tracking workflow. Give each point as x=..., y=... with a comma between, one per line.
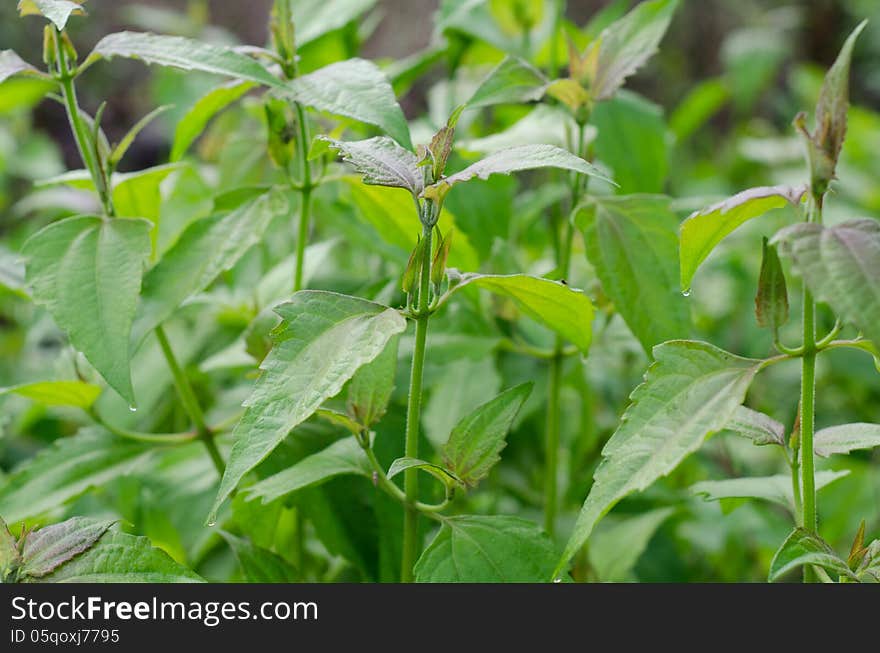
x=552, y=425
x=413, y=412
x=190, y=402
x=796, y=485
x=305, y=196
x=808, y=407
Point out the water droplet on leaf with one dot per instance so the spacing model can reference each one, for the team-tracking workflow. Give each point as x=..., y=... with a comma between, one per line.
x=132, y=408
x=686, y=293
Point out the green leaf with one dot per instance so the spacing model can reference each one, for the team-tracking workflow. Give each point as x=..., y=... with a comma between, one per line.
x=343, y=457
x=845, y=438
x=690, y=392
x=515, y=159
x=513, y=81
x=776, y=489
x=632, y=241
x=477, y=440
x=803, y=548
x=11, y=64
x=49, y=547
x=57, y=11
x=57, y=393
x=841, y=266
x=625, y=45
x=615, y=549
x=771, y=302
x=323, y=339
x=372, y=385
x=200, y=114
x=66, y=470
x=703, y=230
x=382, y=162
x=87, y=272
x=826, y=141
x=566, y=311
x=10, y=558
x=758, y=427
x=207, y=247
x=122, y=148
x=122, y=558
x=356, y=89
x=315, y=18
x=182, y=53
x=632, y=142
x=445, y=476
x=260, y=565
x=490, y=549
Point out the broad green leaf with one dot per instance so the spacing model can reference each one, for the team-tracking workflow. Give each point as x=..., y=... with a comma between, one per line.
x=632, y=142
x=122, y=558
x=758, y=427
x=515, y=159
x=323, y=339
x=382, y=162
x=49, y=547
x=477, y=440
x=690, y=392
x=207, y=247
x=803, y=548
x=458, y=388
x=344, y=456
x=87, y=272
x=632, y=241
x=200, y=114
x=445, y=476
x=701, y=102
x=841, y=266
x=66, y=470
x=12, y=273
x=372, y=385
x=566, y=311
x=356, y=89
x=513, y=81
x=315, y=18
x=490, y=549
x=826, y=141
x=10, y=558
x=845, y=438
x=771, y=301
x=57, y=11
x=260, y=565
x=703, y=230
x=615, y=549
x=57, y=393
x=625, y=45
x=11, y=64
x=22, y=92
x=182, y=53
x=776, y=489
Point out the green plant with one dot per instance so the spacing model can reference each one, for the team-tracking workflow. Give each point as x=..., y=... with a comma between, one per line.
x=304, y=348
x=695, y=389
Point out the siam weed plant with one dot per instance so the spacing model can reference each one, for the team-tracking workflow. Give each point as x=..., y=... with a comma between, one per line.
x=694, y=389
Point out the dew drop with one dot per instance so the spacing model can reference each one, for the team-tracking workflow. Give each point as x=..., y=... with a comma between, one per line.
x=686, y=293
x=557, y=580
x=212, y=523
x=132, y=408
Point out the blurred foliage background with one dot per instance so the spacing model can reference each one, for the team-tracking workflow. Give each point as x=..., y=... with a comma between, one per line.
x=721, y=94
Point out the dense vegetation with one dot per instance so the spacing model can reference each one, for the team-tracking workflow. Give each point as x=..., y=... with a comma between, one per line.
x=323, y=339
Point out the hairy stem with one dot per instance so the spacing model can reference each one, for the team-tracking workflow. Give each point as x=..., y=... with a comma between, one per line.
x=552, y=425
x=190, y=402
x=305, y=188
x=413, y=412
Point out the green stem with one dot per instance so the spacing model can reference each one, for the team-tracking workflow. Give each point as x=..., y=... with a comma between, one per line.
x=137, y=436
x=413, y=412
x=796, y=485
x=190, y=402
x=305, y=195
x=552, y=425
